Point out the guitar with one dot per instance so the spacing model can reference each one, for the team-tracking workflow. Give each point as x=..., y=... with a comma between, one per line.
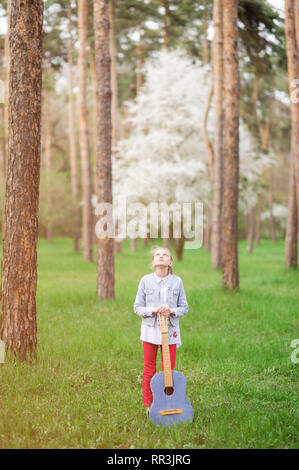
x=170, y=404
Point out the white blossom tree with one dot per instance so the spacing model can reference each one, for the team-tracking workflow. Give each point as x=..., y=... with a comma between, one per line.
x=164, y=158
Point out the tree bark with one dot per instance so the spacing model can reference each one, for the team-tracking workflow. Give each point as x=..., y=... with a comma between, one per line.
x=72, y=139
x=293, y=74
x=165, y=23
x=105, y=282
x=48, y=162
x=259, y=219
x=7, y=69
x=19, y=250
x=218, y=144
x=114, y=101
x=292, y=222
x=250, y=230
x=230, y=269
x=87, y=225
x=139, y=63
x=292, y=44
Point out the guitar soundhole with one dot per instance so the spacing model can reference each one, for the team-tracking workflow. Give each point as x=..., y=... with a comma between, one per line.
x=168, y=390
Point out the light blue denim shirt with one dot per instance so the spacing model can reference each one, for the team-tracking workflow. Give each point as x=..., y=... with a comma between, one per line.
x=147, y=298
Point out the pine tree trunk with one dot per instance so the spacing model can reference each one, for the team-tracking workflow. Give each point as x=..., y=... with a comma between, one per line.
x=48, y=162
x=271, y=218
x=292, y=222
x=105, y=283
x=207, y=141
x=259, y=220
x=19, y=249
x=87, y=221
x=218, y=143
x=292, y=44
x=165, y=25
x=114, y=101
x=139, y=63
x=7, y=69
x=293, y=74
x=270, y=191
x=133, y=244
x=250, y=230
x=72, y=140
x=230, y=269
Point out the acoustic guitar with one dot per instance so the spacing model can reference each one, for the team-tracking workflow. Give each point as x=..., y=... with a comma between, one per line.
x=170, y=404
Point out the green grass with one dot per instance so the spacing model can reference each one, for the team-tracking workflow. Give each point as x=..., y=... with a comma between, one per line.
x=84, y=391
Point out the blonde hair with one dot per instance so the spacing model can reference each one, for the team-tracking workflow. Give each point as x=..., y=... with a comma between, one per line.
x=153, y=252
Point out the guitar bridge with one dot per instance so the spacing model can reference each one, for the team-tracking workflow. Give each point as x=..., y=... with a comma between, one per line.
x=175, y=411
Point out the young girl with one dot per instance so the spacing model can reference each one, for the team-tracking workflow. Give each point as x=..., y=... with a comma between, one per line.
x=163, y=292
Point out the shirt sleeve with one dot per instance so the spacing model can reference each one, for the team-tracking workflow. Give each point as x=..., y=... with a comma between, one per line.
x=182, y=306
x=139, y=305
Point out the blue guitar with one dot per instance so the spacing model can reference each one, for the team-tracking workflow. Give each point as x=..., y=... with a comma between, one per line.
x=170, y=404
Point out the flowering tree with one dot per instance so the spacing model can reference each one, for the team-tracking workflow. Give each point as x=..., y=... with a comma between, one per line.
x=164, y=157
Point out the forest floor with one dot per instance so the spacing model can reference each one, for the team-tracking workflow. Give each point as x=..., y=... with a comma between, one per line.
x=84, y=390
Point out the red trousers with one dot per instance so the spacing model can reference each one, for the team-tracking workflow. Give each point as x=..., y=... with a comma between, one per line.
x=150, y=357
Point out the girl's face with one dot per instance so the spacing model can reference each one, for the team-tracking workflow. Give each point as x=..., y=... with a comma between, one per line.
x=162, y=258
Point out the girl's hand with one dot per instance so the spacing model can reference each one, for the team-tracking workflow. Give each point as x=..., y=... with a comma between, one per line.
x=164, y=310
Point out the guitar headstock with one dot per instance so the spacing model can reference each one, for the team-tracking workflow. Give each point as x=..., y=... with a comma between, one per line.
x=163, y=323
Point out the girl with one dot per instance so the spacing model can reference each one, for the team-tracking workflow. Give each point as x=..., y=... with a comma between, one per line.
x=163, y=292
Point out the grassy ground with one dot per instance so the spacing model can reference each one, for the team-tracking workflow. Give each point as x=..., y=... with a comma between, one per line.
x=85, y=389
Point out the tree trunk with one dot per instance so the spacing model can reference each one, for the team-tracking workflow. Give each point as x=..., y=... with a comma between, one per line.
x=48, y=162
x=292, y=44
x=259, y=220
x=139, y=63
x=105, y=282
x=271, y=218
x=207, y=141
x=230, y=269
x=292, y=222
x=7, y=71
x=270, y=192
x=133, y=244
x=250, y=230
x=165, y=23
x=72, y=139
x=293, y=74
x=87, y=225
x=218, y=144
x=19, y=250
x=114, y=101
x=166, y=243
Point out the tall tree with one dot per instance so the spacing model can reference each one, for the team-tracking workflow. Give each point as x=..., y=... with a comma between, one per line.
x=87, y=225
x=229, y=248
x=105, y=250
x=218, y=141
x=293, y=73
x=72, y=137
x=19, y=251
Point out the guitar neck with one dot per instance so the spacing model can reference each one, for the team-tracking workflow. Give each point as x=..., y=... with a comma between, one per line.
x=166, y=361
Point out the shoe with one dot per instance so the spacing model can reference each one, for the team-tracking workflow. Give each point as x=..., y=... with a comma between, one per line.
x=147, y=411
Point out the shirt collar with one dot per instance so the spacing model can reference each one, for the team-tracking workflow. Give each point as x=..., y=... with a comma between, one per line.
x=159, y=279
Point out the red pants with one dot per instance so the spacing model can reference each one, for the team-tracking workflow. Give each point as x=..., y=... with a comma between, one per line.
x=150, y=356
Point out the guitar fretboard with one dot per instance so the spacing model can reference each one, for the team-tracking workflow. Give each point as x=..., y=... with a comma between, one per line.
x=166, y=361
